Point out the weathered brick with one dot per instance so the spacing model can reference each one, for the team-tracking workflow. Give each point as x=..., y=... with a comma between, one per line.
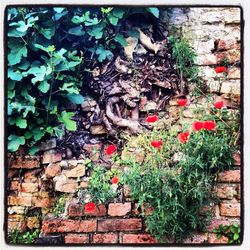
x=16, y=210
x=84, y=184
x=111, y=238
x=76, y=172
x=52, y=170
x=238, y=192
x=212, y=239
x=225, y=191
x=119, y=225
x=78, y=210
x=86, y=226
x=229, y=176
x=119, y=209
x=43, y=202
x=63, y=184
x=15, y=185
x=65, y=226
x=225, y=222
x=30, y=176
x=29, y=187
x=227, y=44
x=236, y=157
x=197, y=238
x=51, y=156
x=138, y=239
x=207, y=209
x=16, y=223
x=23, y=200
x=232, y=56
x=233, y=73
x=93, y=151
x=76, y=238
x=28, y=162
x=230, y=209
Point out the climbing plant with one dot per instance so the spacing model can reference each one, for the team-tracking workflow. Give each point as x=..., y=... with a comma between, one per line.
x=48, y=51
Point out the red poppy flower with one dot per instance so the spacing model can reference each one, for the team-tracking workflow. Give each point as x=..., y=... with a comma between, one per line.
x=90, y=207
x=115, y=180
x=198, y=125
x=209, y=125
x=156, y=144
x=152, y=118
x=110, y=149
x=220, y=69
x=182, y=102
x=219, y=104
x=183, y=137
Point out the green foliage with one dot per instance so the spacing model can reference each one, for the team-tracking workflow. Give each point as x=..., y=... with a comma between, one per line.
x=46, y=64
x=232, y=232
x=100, y=188
x=15, y=237
x=60, y=205
x=185, y=56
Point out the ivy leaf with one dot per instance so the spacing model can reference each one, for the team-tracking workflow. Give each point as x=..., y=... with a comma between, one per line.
x=154, y=11
x=118, y=13
x=33, y=150
x=113, y=19
x=75, y=98
x=96, y=32
x=58, y=10
x=17, y=51
x=21, y=123
x=14, y=142
x=70, y=87
x=38, y=72
x=28, y=135
x=38, y=133
x=44, y=86
x=103, y=54
x=14, y=75
x=47, y=33
x=120, y=39
x=58, y=132
x=65, y=118
x=77, y=31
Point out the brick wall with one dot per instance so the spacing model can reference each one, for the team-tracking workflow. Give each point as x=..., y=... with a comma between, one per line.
x=35, y=182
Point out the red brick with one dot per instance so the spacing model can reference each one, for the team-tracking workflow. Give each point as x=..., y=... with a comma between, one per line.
x=227, y=44
x=216, y=222
x=105, y=238
x=29, y=176
x=119, y=209
x=87, y=226
x=45, y=202
x=229, y=176
x=207, y=209
x=237, y=160
x=78, y=210
x=224, y=191
x=52, y=170
x=29, y=187
x=76, y=239
x=119, y=225
x=15, y=185
x=212, y=239
x=51, y=156
x=138, y=239
x=29, y=162
x=230, y=209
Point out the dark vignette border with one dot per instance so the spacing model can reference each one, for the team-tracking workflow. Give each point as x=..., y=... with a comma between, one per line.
x=242, y=25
